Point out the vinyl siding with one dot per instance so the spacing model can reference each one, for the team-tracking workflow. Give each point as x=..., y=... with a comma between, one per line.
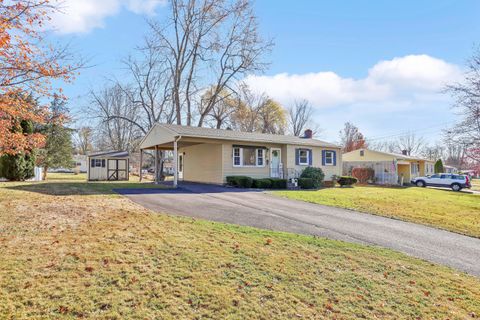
x=203, y=163
x=253, y=172
x=329, y=170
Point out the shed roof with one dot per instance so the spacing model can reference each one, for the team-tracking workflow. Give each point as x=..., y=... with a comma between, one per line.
x=222, y=134
x=109, y=154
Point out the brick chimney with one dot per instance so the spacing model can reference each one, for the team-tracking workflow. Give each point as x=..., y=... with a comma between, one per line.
x=308, y=134
x=405, y=152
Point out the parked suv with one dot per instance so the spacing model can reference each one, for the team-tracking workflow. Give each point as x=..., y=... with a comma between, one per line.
x=455, y=181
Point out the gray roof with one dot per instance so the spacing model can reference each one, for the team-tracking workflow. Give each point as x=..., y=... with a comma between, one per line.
x=109, y=154
x=199, y=132
x=400, y=156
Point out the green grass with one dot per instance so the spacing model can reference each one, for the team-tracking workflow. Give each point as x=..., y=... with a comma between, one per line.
x=454, y=211
x=98, y=256
x=476, y=184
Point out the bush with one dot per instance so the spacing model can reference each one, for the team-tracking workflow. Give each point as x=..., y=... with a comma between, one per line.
x=306, y=183
x=316, y=174
x=346, y=181
x=240, y=181
x=262, y=183
x=279, y=183
x=363, y=175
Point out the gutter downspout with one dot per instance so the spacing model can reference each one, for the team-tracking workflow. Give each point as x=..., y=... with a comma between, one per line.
x=175, y=161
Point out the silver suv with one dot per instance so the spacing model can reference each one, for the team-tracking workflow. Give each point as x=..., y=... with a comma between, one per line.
x=446, y=180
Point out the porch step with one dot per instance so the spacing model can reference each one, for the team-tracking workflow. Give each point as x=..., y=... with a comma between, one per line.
x=291, y=186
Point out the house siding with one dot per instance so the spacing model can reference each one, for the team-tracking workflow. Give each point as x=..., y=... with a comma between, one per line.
x=253, y=172
x=203, y=163
x=329, y=170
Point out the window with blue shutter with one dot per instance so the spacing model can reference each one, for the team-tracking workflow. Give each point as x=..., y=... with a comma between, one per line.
x=329, y=158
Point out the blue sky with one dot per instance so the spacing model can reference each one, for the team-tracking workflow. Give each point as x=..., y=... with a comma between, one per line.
x=379, y=64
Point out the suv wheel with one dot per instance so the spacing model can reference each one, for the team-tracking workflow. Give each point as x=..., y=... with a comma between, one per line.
x=456, y=187
x=420, y=183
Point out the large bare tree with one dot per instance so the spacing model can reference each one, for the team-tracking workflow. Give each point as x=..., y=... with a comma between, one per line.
x=410, y=144
x=117, y=128
x=467, y=94
x=207, y=44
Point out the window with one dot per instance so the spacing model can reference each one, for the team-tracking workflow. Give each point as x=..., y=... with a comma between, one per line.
x=237, y=157
x=260, y=157
x=303, y=157
x=435, y=176
x=248, y=157
x=415, y=168
x=99, y=163
x=362, y=153
x=329, y=158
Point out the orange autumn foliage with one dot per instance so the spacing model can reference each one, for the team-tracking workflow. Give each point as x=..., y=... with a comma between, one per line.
x=27, y=66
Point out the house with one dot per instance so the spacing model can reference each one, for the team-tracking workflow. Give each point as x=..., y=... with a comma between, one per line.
x=111, y=165
x=210, y=155
x=390, y=168
x=450, y=169
x=80, y=163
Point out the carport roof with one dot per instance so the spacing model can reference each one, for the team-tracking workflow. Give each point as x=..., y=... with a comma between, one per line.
x=210, y=133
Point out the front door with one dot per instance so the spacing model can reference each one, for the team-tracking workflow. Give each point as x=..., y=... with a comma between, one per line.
x=180, y=166
x=276, y=163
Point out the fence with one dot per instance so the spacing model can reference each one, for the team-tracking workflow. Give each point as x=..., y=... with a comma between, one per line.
x=385, y=171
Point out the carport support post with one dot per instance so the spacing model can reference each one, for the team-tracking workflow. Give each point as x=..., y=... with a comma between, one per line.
x=141, y=163
x=175, y=163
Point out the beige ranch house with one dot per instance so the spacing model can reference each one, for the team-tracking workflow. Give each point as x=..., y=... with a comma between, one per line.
x=390, y=168
x=210, y=155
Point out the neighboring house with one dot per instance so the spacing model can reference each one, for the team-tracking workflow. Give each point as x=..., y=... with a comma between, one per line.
x=210, y=155
x=80, y=162
x=390, y=168
x=111, y=166
x=450, y=169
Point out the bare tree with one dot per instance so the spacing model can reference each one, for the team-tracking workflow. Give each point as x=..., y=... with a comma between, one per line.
x=83, y=138
x=467, y=94
x=410, y=144
x=299, y=116
x=351, y=138
x=207, y=44
x=117, y=129
x=433, y=152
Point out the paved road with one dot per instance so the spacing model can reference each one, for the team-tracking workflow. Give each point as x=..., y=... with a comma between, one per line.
x=263, y=210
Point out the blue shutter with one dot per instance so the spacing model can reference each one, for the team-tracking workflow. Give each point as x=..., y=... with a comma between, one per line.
x=297, y=157
x=334, y=158
x=310, y=155
x=323, y=157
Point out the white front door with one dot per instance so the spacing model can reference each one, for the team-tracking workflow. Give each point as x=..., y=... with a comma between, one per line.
x=276, y=163
x=180, y=166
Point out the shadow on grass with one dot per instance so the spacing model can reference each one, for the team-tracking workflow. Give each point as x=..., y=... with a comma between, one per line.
x=82, y=188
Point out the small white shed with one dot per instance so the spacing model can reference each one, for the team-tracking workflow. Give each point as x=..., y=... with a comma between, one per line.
x=108, y=166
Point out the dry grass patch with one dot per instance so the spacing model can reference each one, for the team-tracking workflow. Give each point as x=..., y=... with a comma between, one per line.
x=453, y=211
x=101, y=256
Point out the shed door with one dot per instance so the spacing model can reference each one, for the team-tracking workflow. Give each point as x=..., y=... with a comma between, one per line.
x=117, y=169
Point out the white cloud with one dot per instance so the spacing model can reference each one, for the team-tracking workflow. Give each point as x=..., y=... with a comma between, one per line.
x=82, y=16
x=398, y=82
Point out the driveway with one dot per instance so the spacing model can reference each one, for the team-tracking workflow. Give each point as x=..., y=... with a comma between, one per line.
x=263, y=210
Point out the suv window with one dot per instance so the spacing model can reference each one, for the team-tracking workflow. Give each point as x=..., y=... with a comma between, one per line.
x=456, y=177
x=435, y=176
x=445, y=176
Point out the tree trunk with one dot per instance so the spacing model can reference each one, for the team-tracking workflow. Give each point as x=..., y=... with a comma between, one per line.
x=44, y=173
x=159, y=166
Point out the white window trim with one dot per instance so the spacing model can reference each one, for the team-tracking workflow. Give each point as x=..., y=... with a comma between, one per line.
x=300, y=158
x=332, y=158
x=241, y=158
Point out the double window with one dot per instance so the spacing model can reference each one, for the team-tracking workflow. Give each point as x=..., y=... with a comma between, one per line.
x=97, y=163
x=248, y=157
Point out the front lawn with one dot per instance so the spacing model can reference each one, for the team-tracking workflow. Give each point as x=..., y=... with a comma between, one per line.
x=454, y=211
x=79, y=251
x=476, y=184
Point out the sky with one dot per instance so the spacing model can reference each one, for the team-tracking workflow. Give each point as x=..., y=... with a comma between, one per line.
x=382, y=65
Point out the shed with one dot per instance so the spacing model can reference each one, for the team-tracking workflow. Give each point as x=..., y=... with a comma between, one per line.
x=108, y=166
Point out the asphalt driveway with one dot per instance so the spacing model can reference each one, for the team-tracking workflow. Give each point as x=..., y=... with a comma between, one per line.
x=263, y=210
